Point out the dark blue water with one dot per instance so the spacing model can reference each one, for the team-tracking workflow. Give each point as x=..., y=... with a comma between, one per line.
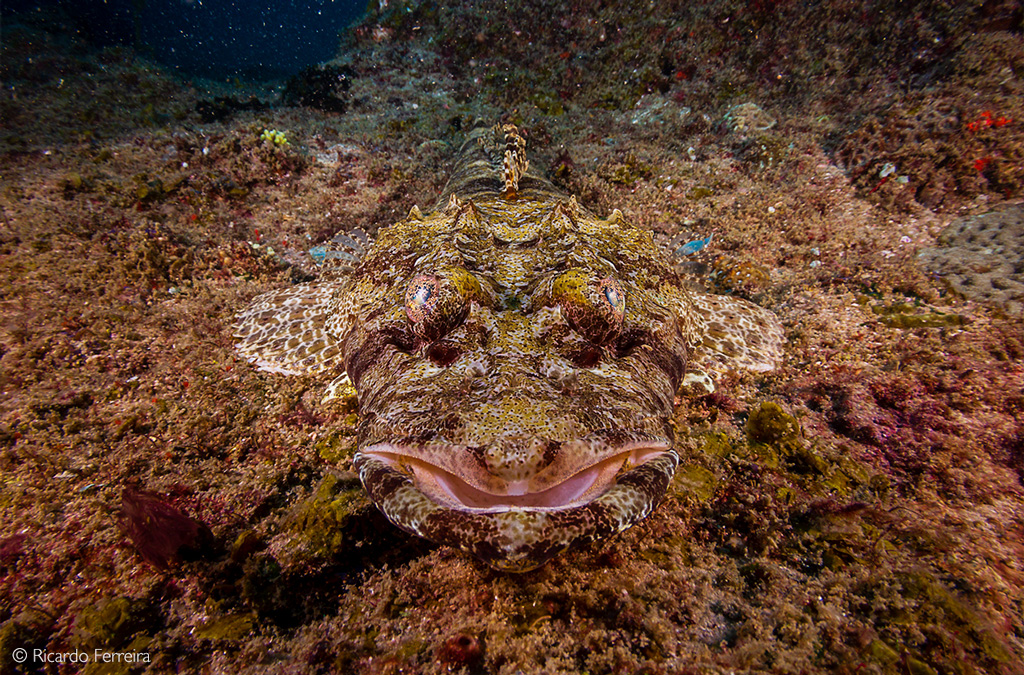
x=256, y=40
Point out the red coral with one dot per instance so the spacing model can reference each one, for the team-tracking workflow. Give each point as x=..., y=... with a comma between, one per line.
x=986, y=120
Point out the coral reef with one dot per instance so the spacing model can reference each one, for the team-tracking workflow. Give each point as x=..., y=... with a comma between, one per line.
x=859, y=511
x=982, y=257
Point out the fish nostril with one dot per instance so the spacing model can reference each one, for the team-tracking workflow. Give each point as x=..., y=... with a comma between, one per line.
x=587, y=357
x=630, y=341
x=402, y=340
x=443, y=355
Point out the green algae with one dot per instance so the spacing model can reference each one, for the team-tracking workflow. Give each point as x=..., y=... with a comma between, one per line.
x=669, y=554
x=802, y=459
x=906, y=315
x=227, y=627
x=73, y=182
x=260, y=573
x=765, y=151
x=335, y=447
x=322, y=520
x=896, y=662
x=17, y=633
x=776, y=438
x=846, y=474
x=772, y=492
x=112, y=623
x=920, y=605
x=937, y=604
x=769, y=424
x=411, y=648
x=700, y=192
x=548, y=103
x=245, y=544
x=695, y=482
x=880, y=652
x=155, y=189
x=932, y=320
x=717, y=444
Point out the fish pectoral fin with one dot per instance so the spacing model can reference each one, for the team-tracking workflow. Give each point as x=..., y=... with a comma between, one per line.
x=284, y=331
x=342, y=253
x=698, y=381
x=732, y=333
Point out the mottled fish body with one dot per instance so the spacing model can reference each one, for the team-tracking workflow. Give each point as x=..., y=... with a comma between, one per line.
x=516, y=359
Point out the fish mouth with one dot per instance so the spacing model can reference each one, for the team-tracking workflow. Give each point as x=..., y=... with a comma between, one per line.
x=561, y=485
x=519, y=533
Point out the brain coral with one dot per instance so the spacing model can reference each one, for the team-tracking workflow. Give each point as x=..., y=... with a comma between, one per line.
x=982, y=257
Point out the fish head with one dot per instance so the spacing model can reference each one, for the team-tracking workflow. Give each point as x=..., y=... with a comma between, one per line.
x=515, y=402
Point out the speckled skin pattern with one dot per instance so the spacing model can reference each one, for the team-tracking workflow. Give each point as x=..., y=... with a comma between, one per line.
x=516, y=360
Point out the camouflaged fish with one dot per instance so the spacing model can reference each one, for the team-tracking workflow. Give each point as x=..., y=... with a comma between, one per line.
x=516, y=359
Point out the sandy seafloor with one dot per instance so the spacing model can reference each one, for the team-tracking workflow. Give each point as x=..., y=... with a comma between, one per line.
x=859, y=510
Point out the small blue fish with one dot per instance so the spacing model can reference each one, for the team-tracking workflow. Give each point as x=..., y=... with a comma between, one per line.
x=318, y=254
x=321, y=254
x=348, y=247
x=692, y=247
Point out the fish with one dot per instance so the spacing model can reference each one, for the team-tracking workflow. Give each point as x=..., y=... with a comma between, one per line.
x=515, y=359
x=690, y=247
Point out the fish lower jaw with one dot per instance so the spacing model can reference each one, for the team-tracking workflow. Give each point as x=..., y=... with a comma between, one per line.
x=448, y=490
x=512, y=537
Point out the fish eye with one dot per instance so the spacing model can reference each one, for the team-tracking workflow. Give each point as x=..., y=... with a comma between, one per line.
x=614, y=298
x=421, y=297
x=594, y=307
x=437, y=303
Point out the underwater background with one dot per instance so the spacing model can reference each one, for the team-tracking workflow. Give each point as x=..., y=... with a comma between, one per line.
x=854, y=166
x=256, y=41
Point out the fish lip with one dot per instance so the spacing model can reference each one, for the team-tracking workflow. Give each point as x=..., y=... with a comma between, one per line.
x=519, y=539
x=485, y=493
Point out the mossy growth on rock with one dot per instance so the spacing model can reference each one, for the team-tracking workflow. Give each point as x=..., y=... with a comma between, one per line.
x=764, y=152
x=322, y=521
x=911, y=315
x=774, y=492
x=112, y=623
x=335, y=446
x=776, y=436
x=769, y=424
x=937, y=605
x=695, y=482
x=934, y=320
x=912, y=603
x=20, y=632
x=227, y=627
